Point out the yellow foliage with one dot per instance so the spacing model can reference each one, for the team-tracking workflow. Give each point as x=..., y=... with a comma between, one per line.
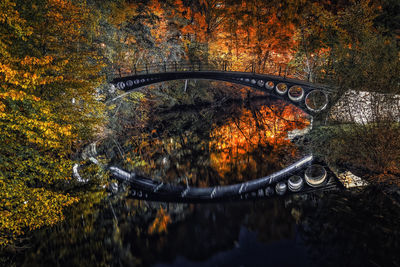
x=24, y=208
x=39, y=124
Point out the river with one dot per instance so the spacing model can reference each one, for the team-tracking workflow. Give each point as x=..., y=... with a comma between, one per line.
x=211, y=145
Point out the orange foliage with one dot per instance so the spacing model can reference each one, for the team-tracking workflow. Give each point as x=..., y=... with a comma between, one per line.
x=235, y=141
x=240, y=33
x=160, y=223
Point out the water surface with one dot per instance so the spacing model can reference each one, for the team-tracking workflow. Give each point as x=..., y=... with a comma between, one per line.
x=210, y=145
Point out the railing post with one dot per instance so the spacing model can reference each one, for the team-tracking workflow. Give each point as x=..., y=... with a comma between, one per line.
x=119, y=71
x=147, y=70
x=199, y=65
x=280, y=69
x=176, y=67
x=165, y=66
x=134, y=68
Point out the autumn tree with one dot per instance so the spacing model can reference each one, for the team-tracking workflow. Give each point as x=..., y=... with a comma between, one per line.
x=262, y=37
x=48, y=107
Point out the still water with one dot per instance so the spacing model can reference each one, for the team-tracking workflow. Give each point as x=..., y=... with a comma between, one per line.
x=207, y=146
x=211, y=146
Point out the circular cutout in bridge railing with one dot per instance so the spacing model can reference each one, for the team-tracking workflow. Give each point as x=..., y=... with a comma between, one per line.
x=260, y=83
x=253, y=81
x=269, y=191
x=295, y=183
x=316, y=100
x=315, y=175
x=247, y=80
x=121, y=85
x=260, y=192
x=129, y=82
x=296, y=93
x=281, y=88
x=269, y=85
x=280, y=188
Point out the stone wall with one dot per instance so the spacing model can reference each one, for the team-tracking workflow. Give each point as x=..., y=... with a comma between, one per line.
x=366, y=107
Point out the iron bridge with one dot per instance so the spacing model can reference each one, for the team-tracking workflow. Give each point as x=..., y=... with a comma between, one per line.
x=310, y=97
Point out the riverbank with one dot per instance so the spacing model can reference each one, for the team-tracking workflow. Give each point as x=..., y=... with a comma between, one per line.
x=370, y=151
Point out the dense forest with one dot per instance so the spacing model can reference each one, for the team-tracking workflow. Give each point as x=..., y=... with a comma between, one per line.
x=57, y=57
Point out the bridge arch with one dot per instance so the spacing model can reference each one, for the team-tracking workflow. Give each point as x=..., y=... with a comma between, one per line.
x=311, y=98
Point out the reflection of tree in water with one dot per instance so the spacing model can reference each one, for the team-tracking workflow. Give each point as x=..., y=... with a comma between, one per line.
x=115, y=233
x=94, y=235
x=271, y=220
x=339, y=229
x=209, y=229
x=215, y=228
x=352, y=229
x=255, y=143
x=212, y=146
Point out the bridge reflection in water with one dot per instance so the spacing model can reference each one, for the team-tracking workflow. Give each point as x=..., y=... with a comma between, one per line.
x=299, y=178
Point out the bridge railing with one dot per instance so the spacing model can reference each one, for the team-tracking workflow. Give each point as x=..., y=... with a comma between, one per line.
x=174, y=66
x=180, y=66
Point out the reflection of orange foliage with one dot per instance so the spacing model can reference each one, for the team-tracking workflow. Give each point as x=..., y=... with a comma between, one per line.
x=160, y=223
x=250, y=145
x=235, y=141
